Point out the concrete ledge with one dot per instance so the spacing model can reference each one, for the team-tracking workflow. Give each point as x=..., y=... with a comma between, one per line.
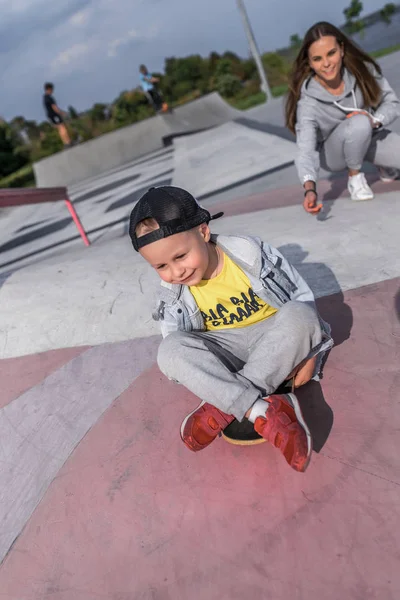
x=101, y=154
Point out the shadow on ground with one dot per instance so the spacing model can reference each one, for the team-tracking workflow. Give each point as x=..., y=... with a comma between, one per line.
x=324, y=284
x=397, y=304
x=40, y=232
x=317, y=413
x=338, y=186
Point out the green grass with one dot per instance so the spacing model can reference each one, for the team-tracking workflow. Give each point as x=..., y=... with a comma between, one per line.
x=279, y=90
x=247, y=101
x=385, y=51
x=256, y=99
x=24, y=177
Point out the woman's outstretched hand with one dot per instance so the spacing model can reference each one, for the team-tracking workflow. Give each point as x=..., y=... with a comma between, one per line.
x=310, y=202
x=374, y=124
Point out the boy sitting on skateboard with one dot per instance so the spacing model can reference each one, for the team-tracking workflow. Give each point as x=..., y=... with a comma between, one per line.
x=237, y=320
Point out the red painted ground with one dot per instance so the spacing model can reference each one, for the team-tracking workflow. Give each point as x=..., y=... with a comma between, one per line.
x=133, y=515
x=20, y=374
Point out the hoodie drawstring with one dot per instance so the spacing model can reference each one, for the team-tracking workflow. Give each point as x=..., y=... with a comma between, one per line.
x=348, y=110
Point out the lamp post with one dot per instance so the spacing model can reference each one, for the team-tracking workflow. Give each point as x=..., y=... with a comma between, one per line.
x=253, y=49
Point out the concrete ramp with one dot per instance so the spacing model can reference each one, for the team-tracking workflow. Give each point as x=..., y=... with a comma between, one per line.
x=128, y=143
x=206, y=112
x=100, y=154
x=228, y=155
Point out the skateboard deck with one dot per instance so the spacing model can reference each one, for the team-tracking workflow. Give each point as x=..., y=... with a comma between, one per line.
x=242, y=433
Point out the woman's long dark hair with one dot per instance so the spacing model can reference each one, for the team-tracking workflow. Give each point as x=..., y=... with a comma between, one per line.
x=354, y=59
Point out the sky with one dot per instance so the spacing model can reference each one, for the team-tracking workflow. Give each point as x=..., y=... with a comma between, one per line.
x=91, y=49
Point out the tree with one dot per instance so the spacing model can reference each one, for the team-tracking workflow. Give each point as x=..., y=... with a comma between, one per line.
x=187, y=74
x=10, y=158
x=295, y=40
x=352, y=12
x=228, y=85
x=213, y=59
x=130, y=107
x=191, y=68
x=50, y=143
x=387, y=12
x=231, y=56
x=73, y=113
x=276, y=68
x=32, y=129
x=224, y=67
x=249, y=69
x=98, y=112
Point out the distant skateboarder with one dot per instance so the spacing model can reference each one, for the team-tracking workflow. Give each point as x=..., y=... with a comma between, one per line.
x=55, y=114
x=148, y=83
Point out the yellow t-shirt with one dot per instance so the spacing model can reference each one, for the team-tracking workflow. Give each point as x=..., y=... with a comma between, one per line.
x=228, y=301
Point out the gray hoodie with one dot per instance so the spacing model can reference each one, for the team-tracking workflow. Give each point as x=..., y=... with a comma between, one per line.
x=319, y=113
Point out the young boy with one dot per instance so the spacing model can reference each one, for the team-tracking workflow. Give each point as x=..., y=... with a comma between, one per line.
x=237, y=321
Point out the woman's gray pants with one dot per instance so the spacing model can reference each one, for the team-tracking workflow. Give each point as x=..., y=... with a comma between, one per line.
x=354, y=141
x=233, y=368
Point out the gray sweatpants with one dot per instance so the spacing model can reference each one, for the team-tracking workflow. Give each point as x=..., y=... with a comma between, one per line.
x=233, y=368
x=354, y=141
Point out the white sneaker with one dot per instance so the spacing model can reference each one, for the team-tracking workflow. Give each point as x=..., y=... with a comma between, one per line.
x=388, y=175
x=359, y=188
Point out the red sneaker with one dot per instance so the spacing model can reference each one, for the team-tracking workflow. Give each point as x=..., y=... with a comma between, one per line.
x=285, y=428
x=203, y=425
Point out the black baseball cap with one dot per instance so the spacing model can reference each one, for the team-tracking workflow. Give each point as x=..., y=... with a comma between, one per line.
x=174, y=209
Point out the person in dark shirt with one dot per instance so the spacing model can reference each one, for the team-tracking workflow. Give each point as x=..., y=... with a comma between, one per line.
x=55, y=114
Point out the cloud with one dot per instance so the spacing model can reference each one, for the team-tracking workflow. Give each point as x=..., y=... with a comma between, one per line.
x=27, y=20
x=70, y=55
x=17, y=6
x=133, y=34
x=80, y=18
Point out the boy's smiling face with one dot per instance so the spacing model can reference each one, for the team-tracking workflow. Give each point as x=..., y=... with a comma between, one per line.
x=184, y=258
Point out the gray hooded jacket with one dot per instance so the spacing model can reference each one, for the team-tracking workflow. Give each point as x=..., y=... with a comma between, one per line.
x=271, y=276
x=319, y=113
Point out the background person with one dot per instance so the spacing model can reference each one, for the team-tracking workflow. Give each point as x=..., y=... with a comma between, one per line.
x=339, y=106
x=55, y=114
x=148, y=84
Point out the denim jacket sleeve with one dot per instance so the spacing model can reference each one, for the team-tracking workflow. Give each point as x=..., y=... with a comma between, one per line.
x=166, y=318
x=299, y=289
x=177, y=310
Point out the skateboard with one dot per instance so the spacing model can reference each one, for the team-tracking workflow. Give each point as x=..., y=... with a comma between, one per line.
x=242, y=433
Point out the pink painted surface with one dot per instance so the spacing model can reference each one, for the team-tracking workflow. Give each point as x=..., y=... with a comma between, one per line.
x=292, y=195
x=133, y=515
x=20, y=196
x=20, y=374
x=77, y=222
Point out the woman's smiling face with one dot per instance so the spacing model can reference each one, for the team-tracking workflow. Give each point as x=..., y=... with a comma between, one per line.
x=326, y=58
